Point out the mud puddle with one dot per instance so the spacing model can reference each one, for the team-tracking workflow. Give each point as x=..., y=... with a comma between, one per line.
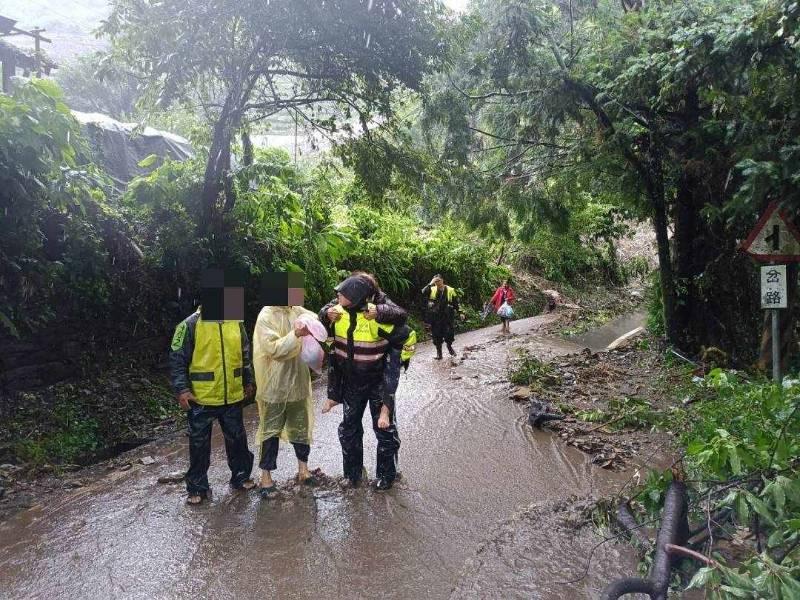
x=468, y=458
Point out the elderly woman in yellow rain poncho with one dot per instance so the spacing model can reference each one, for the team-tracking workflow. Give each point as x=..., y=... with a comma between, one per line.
x=283, y=381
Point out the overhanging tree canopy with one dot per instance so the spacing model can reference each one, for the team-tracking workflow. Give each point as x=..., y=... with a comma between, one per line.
x=245, y=60
x=682, y=110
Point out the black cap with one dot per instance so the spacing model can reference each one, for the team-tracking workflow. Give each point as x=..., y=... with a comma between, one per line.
x=356, y=289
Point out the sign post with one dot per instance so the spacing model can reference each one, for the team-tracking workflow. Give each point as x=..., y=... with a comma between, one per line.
x=774, y=240
x=773, y=298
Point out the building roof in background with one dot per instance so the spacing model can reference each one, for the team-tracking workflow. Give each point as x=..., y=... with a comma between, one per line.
x=70, y=24
x=119, y=148
x=24, y=58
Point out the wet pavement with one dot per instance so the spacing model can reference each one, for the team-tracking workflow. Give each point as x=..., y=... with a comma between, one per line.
x=459, y=523
x=597, y=339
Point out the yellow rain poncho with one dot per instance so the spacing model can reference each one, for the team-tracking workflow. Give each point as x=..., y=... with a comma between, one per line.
x=283, y=381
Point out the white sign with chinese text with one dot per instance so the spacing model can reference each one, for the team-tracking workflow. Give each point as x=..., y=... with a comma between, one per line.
x=773, y=286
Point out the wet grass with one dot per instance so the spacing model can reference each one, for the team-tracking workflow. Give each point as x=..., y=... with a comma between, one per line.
x=530, y=371
x=75, y=422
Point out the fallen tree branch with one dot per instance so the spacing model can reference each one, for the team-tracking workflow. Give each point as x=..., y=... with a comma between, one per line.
x=674, y=531
x=611, y=422
x=627, y=522
x=674, y=550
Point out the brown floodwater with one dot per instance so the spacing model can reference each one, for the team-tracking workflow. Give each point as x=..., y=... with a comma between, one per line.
x=459, y=523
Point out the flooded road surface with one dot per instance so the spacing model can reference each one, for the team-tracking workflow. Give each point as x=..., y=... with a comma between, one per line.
x=457, y=523
x=598, y=339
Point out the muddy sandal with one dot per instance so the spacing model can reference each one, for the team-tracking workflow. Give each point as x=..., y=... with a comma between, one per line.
x=196, y=499
x=246, y=486
x=310, y=481
x=268, y=492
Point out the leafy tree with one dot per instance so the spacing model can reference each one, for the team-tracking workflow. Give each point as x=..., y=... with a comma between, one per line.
x=92, y=84
x=657, y=106
x=50, y=202
x=243, y=61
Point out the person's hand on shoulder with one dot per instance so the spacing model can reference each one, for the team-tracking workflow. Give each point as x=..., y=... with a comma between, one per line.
x=333, y=314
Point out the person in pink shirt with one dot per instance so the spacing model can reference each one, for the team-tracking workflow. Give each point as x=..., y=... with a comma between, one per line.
x=503, y=295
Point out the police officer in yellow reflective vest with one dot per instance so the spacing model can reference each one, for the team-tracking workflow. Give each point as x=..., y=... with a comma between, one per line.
x=442, y=307
x=211, y=373
x=364, y=370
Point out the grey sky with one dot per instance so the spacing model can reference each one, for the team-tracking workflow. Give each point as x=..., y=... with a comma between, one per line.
x=456, y=4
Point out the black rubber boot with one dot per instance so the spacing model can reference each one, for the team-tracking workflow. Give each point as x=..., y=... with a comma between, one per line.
x=383, y=484
x=438, y=353
x=450, y=350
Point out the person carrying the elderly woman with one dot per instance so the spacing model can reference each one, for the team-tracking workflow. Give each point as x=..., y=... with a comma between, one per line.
x=364, y=371
x=381, y=307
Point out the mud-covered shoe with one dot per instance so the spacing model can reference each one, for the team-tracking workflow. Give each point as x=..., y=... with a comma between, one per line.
x=383, y=484
x=450, y=350
x=349, y=484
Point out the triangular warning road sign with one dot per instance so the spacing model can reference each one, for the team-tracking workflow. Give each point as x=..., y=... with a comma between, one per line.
x=774, y=238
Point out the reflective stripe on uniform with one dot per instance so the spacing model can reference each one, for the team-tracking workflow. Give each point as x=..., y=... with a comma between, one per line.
x=206, y=376
x=360, y=357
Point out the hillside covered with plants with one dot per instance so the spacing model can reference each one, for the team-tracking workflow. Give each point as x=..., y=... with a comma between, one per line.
x=521, y=139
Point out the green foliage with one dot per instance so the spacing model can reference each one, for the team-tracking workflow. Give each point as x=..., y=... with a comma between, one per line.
x=52, y=210
x=742, y=450
x=530, y=371
x=317, y=221
x=405, y=255
x=76, y=422
x=576, y=114
x=624, y=412
x=68, y=438
x=335, y=66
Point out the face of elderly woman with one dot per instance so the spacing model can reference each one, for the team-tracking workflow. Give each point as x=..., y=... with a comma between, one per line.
x=342, y=300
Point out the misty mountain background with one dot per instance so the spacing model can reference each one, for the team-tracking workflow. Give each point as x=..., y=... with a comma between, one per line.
x=69, y=23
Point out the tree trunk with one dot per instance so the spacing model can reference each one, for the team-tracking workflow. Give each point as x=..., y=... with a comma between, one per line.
x=219, y=158
x=247, y=148
x=214, y=177
x=688, y=261
x=666, y=274
x=655, y=192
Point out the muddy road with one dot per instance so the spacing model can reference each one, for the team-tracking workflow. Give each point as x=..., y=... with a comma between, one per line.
x=458, y=524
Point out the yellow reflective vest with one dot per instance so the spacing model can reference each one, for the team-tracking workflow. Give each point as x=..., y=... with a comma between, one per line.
x=451, y=293
x=218, y=360
x=369, y=346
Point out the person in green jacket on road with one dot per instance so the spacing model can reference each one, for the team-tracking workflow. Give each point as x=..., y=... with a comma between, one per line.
x=441, y=303
x=211, y=375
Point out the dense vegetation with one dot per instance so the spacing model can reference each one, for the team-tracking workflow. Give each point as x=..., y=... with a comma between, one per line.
x=525, y=135
x=741, y=456
x=683, y=113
